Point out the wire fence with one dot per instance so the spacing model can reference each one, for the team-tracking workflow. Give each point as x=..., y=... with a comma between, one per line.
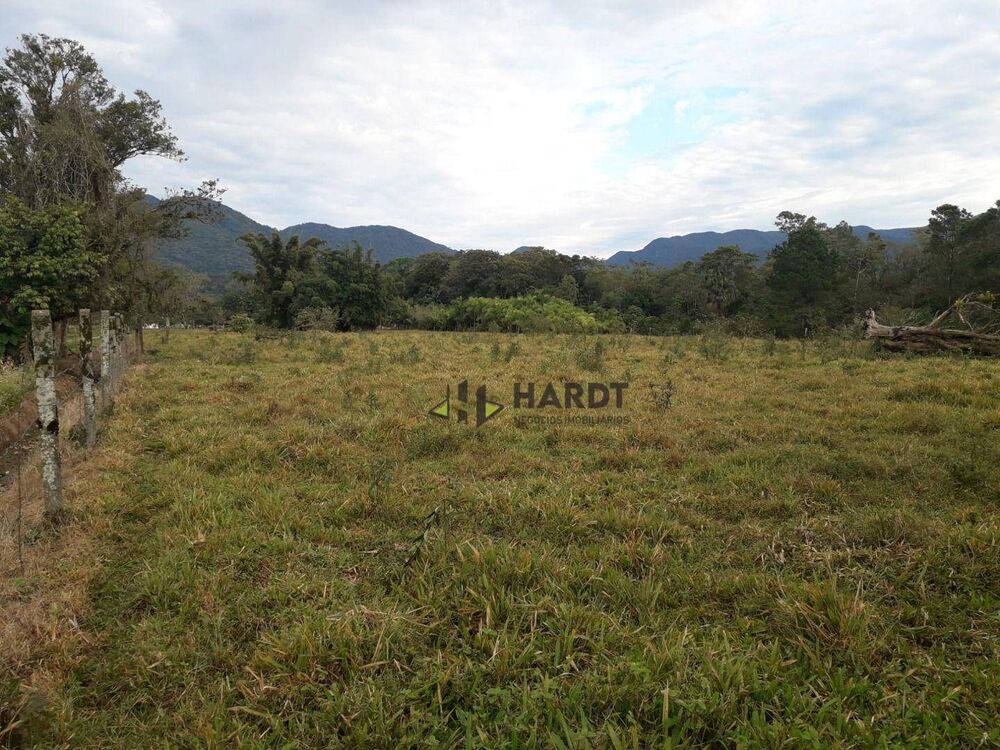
x=55, y=424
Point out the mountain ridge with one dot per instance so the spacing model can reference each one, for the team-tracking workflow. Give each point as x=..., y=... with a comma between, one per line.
x=681, y=248
x=214, y=249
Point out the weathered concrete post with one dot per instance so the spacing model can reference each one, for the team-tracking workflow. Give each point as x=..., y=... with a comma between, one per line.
x=104, y=322
x=166, y=329
x=48, y=409
x=116, y=350
x=87, y=378
x=121, y=347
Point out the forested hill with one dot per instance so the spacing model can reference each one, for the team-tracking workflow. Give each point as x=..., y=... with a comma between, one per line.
x=672, y=251
x=215, y=250
x=389, y=243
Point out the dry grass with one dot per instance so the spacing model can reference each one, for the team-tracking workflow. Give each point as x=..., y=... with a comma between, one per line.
x=799, y=548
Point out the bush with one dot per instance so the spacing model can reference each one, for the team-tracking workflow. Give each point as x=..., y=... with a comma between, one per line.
x=591, y=357
x=430, y=317
x=317, y=319
x=714, y=342
x=537, y=313
x=241, y=323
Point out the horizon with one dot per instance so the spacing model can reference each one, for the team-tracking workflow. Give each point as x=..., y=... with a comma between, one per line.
x=490, y=126
x=546, y=246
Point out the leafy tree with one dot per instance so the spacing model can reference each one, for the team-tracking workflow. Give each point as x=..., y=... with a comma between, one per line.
x=727, y=274
x=472, y=273
x=864, y=262
x=44, y=262
x=945, y=246
x=304, y=284
x=65, y=133
x=353, y=286
x=568, y=289
x=805, y=276
x=281, y=268
x=981, y=238
x=531, y=270
x=790, y=222
x=423, y=281
x=65, y=130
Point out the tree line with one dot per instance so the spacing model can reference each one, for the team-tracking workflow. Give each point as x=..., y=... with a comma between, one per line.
x=821, y=277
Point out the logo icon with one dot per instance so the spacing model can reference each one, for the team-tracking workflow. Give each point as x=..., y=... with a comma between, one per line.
x=485, y=409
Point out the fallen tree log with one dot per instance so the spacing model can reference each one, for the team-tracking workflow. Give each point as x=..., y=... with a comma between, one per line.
x=932, y=338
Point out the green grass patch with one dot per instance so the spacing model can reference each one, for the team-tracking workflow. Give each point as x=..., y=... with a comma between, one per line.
x=786, y=552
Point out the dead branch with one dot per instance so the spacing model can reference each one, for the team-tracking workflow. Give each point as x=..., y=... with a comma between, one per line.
x=933, y=337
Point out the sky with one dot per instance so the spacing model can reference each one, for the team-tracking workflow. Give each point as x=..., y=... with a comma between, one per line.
x=588, y=127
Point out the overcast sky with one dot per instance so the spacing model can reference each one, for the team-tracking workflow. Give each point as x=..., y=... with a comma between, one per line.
x=583, y=126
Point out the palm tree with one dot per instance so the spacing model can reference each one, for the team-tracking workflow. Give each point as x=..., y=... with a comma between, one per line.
x=280, y=266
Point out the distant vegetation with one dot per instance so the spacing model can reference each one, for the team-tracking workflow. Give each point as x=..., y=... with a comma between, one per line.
x=818, y=279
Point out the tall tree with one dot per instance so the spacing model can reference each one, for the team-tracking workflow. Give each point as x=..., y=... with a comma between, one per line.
x=280, y=268
x=423, y=282
x=354, y=287
x=65, y=133
x=472, y=273
x=727, y=274
x=981, y=237
x=805, y=276
x=944, y=245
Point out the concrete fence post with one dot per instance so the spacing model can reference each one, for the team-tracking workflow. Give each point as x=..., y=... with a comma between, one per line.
x=116, y=346
x=109, y=386
x=121, y=347
x=104, y=323
x=43, y=344
x=87, y=378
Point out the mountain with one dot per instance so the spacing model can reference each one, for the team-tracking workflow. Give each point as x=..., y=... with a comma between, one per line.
x=389, y=243
x=672, y=251
x=215, y=250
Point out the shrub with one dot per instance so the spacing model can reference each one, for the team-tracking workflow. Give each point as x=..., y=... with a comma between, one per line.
x=317, y=319
x=241, y=323
x=591, y=358
x=537, y=313
x=431, y=317
x=663, y=394
x=714, y=342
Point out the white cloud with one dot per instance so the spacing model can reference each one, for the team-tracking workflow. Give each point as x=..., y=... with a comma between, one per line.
x=492, y=125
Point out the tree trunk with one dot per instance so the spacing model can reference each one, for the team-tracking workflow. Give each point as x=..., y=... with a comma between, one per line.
x=931, y=338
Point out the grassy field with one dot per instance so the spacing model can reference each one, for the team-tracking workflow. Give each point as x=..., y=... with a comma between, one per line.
x=799, y=550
